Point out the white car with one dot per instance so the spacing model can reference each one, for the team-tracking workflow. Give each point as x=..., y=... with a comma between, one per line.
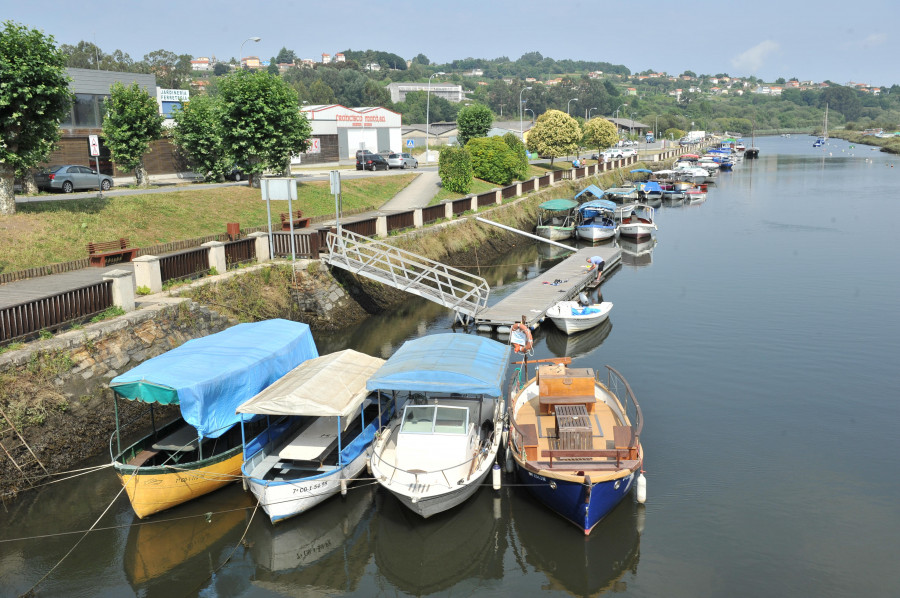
x=627, y=152
x=403, y=160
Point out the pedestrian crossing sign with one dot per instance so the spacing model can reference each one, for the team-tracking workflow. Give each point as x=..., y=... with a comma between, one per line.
x=410, y=143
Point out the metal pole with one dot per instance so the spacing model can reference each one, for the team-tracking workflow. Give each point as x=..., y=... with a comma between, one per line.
x=521, y=112
x=515, y=230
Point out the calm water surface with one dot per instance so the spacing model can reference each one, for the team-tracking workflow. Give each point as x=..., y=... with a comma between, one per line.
x=760, y=335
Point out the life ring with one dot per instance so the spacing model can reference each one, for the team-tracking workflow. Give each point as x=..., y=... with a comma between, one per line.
x=520, y=338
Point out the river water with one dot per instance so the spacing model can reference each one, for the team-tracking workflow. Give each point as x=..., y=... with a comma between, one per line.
x=760, y=335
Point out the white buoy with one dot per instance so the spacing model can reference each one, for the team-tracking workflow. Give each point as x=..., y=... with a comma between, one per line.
x=641, y=489
x=343, y=487
x=495, y=476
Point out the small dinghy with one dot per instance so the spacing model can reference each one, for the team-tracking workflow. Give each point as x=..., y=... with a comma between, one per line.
x=575, y=316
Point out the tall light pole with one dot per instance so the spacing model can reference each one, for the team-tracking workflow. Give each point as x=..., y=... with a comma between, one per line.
x=241, y=53
x=532, y=113
x=589, y=113
x=428, y=110
x=521, y=112
x=570, y=103
x=617, y=117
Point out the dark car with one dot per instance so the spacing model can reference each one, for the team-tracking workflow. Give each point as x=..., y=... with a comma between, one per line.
x=235, y=174
x=372, y=162
x=70, y=177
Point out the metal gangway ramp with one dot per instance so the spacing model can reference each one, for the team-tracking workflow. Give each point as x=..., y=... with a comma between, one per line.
x=464, y=293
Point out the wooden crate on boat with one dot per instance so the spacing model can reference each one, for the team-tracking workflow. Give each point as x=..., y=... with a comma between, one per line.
x=559, y=385
x=573, y=426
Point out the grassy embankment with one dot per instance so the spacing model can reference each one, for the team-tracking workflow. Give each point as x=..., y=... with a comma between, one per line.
x=50, y=232
x=890, y=145
x=480, y=186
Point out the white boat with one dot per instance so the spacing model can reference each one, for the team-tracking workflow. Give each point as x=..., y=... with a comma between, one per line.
x=438, y=450
x=322, y=424
x=572, y=316
x=595, y=220
x=640, y=223
x=622, y=194
x=556, y=220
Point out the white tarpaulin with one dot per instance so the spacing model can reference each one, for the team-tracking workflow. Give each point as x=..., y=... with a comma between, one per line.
x=330, y=385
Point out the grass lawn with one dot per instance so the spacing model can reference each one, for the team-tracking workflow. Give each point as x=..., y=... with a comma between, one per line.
x=58, y=231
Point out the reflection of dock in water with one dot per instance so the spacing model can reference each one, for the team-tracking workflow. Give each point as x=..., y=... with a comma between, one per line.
x=577, y=564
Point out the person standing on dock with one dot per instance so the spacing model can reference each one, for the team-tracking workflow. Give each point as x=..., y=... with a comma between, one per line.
x=596, y=260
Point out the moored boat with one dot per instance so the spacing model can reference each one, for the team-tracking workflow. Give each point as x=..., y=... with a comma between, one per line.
x=556, y=220
x=639, y=223
x=595, y=222
x=622, y=194
x=572, y=316
x=207, y=378
x=442, y=444
x=323, y=422
x=575, y=442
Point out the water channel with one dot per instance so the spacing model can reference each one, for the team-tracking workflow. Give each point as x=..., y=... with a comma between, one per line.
x=760, y=335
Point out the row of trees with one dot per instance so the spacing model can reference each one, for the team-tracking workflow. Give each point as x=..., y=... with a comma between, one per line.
x=252, y=119
x=173, y=71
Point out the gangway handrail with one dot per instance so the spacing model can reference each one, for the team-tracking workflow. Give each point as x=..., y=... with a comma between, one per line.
x=458, y=290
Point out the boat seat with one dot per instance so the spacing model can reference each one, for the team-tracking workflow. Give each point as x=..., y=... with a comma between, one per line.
x=183, y=439
x=142, y=457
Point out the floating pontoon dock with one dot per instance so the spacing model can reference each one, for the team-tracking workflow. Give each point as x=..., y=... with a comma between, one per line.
x=535, y=298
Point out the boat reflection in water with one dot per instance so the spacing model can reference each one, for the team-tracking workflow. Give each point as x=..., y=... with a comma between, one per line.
x=637, y=254
x=198, y=533
x=576, y=345
x=335, y=538
x=424, y=556
x=581, y=566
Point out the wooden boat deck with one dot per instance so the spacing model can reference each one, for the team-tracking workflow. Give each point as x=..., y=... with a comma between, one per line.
x=534, y=298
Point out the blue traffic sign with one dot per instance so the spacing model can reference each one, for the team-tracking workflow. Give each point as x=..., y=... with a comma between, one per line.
x=410, y=143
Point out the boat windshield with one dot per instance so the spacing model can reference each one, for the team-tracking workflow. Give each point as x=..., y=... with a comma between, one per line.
x=438, y=419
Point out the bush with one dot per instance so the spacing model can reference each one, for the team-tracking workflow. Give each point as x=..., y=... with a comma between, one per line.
x=493, y=160
x=516, y=145
x=455, y=169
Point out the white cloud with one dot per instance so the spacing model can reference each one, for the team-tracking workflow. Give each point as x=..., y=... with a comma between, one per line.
x=874, y=39
x=752, y=60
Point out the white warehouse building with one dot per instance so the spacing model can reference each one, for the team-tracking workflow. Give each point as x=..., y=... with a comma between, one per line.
x=449, y=91
x=338, y=132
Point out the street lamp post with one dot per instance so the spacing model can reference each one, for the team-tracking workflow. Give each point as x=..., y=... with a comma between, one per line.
x=617, y=117
x=532, y=113
x=521, y=112
x=589, y=113
x=428, y=110
x=241, y=53
x=570, y=103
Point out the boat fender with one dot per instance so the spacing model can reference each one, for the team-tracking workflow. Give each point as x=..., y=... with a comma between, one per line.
x=641, y=488
x=495, y=476
x=369, y=465
x=509, y=461
x=583, y=299
x=343, y=487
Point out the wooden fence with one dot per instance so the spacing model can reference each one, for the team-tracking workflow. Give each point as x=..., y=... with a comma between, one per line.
x=184, y=264
x=24, y=320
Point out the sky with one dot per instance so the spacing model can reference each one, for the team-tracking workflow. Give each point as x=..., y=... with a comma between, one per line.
x=811, y=40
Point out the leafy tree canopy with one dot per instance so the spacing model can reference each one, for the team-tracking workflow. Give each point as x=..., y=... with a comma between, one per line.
x=198, y=134
x=493, y=160
x=172, y=71
x=261, y=124
x=555, y=134
x=600, y=133
x=473, y=121
x=34, y=97
x=285, y=56
x=132, y=122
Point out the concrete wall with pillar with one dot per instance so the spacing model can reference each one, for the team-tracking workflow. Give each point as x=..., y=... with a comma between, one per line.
x=147, y=273
x=122, y=288
x=381, y=226
x=448, y=210
x=262, y=246
x=418, y=220
x=498, y=197
x=216, y=256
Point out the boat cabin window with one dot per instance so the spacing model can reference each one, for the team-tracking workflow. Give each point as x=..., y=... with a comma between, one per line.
x=440, y=419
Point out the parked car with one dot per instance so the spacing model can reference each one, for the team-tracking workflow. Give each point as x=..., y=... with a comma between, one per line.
x=70, y=177
x=361, y=157
x=402, y=161
x=373, y=162
x=627, y=152
x=235, y=174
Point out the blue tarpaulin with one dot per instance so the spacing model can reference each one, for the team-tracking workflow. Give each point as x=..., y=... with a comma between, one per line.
x=445, y=363
x=593, y=190
x=210, y=376
x=652, y=186
x=597, y=205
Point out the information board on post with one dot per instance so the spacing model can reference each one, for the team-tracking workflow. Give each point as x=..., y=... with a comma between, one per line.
x=335, y=178
x=94, y=145
x=279, y=189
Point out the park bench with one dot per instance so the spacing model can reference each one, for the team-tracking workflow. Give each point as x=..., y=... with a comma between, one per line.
x=298, y=220
x=110, y=251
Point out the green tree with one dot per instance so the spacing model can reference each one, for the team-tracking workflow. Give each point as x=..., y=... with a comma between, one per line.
x=600, y=133
x=493, y=160
x=285, y=56
x=172, y=71
x=421, y=59
x=198, y=134
x=220, y=69
x=473, y=121
x=261, y=123
x=272, y=69
x=673, y=133
x=455, y=169
x=516, y=145
x=34, y=97
x=555, y=134
x=132, y=122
